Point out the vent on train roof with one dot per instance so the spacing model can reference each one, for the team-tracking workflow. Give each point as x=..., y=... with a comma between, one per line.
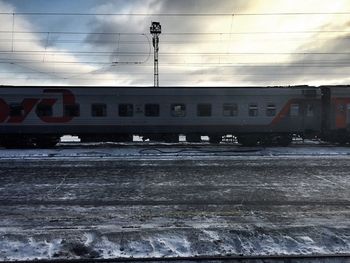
x=310, y=93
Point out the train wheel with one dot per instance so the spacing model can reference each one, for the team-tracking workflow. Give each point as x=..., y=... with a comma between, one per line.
x=248, y=140
x=267, y=141
x=215, y=139
x=341, y=137
x=342, y=141
x=17, y=143
x=284, y=140
x=124, y=138
x=193, y=138
x=46, y=142
x=171, y=138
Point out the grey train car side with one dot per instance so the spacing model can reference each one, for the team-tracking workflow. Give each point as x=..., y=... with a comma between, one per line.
x=266, y=115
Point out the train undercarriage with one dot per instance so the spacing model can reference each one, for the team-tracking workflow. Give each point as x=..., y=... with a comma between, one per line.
x=244, y=139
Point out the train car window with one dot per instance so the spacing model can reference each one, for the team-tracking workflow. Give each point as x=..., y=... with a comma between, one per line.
x=126, y=110
x=271, y=110
x=341, y=107
x=230, y=110
x=44, y=110
x=16, y=109
x=72, y=110
x=98, y=110
x=152, y=110
x=309, y=110
x=294, y=110
x=204, y=110
x=253, y=110
x=178, y=110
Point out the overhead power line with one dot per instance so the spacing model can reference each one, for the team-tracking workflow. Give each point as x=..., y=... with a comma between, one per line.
x=222, y=78
x=175, y=33
x=192, y=64
x=173, y=14
x=130, y=53
x=146, y=74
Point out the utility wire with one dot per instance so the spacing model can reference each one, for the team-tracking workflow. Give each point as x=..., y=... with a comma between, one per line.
x=174, y=14
x=128, y=53
x=176, y=33
x=225, y=78
x=192, y=64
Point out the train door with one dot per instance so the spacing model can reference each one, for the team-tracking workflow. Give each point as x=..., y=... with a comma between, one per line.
x=311, y=117
x=295, y=119
x=341, y=113
x=347, y=114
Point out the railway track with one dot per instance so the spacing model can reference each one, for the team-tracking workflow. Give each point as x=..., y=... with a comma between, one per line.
x=73, y=145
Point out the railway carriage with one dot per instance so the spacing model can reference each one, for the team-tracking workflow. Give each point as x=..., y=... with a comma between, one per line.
x=255, y=115
x=336, y=114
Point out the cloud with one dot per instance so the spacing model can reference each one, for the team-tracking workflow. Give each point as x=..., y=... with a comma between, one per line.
x=172, y=46
x=198, y=55
x=27, y=58
x=321, y=60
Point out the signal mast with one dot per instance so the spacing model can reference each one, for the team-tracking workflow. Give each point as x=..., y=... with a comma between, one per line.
x=155, y=30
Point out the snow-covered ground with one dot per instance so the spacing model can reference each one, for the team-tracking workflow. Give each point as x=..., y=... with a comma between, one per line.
x=164, y=200
x=170, y=151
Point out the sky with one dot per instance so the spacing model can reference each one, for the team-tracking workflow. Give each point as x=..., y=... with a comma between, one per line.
x=203, y=42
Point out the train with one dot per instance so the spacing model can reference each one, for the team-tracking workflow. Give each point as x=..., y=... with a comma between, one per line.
x=38, y=116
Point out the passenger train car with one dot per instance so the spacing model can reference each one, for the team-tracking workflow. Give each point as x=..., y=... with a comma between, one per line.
x=40, y=115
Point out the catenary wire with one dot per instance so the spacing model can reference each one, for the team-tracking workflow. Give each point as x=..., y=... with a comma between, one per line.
x=173, y=14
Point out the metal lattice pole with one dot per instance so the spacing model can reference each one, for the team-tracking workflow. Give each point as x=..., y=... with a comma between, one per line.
x=155, y=30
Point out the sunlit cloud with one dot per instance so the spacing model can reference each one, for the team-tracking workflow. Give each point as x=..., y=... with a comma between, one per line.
x=237, y=49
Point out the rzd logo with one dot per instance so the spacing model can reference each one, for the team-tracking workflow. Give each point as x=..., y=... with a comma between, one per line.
x=29, y=103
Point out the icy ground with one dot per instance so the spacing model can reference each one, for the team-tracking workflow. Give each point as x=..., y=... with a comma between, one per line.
x=124, y=151
x=107, y=201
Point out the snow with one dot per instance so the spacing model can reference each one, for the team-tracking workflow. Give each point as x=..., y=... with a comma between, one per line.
x=106, y=231
x=69, y=138
x=180, y=244
x=168, y=152
x=29, y=249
